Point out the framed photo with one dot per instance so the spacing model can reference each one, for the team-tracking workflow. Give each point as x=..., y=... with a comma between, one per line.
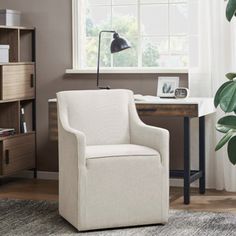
x=166, y=86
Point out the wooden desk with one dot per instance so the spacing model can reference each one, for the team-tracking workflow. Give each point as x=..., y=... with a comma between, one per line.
x=186, y=108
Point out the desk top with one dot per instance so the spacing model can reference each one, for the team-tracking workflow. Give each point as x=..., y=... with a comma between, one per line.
x=151, y=105
x=205, y=106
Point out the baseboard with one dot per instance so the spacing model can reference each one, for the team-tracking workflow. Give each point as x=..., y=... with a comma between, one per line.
x=40, y=175
x=47, y=175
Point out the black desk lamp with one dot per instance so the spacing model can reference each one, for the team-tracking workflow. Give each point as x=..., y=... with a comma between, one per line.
x=118, y=44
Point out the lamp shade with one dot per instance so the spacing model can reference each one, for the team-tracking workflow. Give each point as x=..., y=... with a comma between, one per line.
x=118, y=44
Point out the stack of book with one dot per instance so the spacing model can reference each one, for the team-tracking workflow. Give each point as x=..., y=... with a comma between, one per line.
x=6, y=132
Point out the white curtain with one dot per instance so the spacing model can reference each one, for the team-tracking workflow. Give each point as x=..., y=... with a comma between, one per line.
x=212, y=44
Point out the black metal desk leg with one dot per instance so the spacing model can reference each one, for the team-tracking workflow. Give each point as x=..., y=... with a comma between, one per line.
x=186, y=160
x=202, y=167
x=35, y=173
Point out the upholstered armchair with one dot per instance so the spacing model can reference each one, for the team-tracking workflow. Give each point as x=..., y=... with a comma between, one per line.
x=113, y=169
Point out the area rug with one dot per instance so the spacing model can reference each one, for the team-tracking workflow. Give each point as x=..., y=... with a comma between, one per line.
x=21, y=217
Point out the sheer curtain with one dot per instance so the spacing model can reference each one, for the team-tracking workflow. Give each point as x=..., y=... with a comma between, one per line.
x=212, y=44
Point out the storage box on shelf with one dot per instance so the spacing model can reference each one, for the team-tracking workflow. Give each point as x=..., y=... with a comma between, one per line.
x=10, y=17
x=17, y=81
x=4, y=53
x=17, y=92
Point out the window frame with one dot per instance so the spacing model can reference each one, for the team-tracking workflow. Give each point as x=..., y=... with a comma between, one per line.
x=77, y=20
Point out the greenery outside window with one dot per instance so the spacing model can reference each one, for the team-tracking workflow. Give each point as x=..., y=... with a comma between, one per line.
x=156, y=29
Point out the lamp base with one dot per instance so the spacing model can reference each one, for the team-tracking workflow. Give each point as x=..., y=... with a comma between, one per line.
x=101, y=87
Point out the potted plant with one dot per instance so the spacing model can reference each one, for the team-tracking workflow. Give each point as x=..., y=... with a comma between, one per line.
x=226, y=98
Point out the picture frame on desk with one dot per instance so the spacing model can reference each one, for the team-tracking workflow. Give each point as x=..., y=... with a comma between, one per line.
x=166, y=86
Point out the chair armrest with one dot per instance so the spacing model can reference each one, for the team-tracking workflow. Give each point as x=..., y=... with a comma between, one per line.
x=72, y=166
x=72, y=144
x=150, y=136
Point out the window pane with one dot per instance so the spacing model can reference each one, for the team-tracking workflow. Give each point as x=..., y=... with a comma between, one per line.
x=178, y=45
x=152, y=47
x=163, y=27
x=172, y=61
x=153, y=1
x=128, y=57
x=125, y=20
x=154, y=19
x=178, y=19
x=178, y=61
x=124, y=2
x=193, y=10
x=99, y=2
x=193, y=51
x=163, y=60
x=98, y=18
x=91, y=48
x=178, y=1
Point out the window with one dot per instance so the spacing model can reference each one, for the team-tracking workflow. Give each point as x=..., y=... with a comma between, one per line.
x=156, y=29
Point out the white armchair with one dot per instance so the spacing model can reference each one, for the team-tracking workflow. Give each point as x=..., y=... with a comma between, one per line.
x=113, y=169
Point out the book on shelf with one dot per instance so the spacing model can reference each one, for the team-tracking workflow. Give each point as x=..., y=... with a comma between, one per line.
x=7, y=132
x=23, y=126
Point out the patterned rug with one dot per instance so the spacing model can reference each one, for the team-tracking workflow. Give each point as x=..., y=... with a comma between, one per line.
x=21, y=217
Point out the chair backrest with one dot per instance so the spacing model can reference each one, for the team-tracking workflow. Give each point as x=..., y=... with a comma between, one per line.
x=102, y=115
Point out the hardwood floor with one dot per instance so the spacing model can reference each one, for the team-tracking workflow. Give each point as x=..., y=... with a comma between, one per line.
x=213, y=201
x=29, y=189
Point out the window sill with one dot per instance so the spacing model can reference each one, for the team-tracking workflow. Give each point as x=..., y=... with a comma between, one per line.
x=129, y=71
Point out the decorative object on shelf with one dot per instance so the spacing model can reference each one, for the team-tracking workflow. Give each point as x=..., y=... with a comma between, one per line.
x=23, y=127
x=4, y=53
x=118, y=44
x=10, y=17
x=7, y=132
x=181, y=92
x=226, y=98
x=166, y=86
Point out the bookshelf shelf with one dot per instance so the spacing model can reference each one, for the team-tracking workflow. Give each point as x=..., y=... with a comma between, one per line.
x=17, y=63
x=17, y=27
x=18, y=101
x=17, y=135
x=14, y=100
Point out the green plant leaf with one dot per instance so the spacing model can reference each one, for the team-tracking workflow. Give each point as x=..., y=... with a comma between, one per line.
x=224, y=140
x=228, y=97
x=230, y=76
x=222, y=128
x=226, y=123
x=232, y=150
x=230, y=9
x=218, y=93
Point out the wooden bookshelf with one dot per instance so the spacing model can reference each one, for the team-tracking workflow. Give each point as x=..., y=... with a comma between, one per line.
x=18, y=90
x=17, y=135
x=17, y=27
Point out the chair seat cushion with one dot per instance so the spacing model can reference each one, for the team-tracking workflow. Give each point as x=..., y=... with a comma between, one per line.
x=101, y=151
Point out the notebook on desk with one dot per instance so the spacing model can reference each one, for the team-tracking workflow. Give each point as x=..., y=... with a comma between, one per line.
x=155, y=99
x=139, y=97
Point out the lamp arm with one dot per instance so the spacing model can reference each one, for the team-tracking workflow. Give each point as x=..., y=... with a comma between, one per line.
x=99, y=48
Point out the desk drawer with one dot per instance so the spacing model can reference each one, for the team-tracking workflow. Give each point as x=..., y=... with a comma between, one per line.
x=17, y=81
x=17, y=153
x=167, y=110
